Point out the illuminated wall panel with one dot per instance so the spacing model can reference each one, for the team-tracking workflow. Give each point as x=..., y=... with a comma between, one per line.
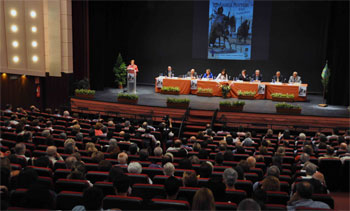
x=3, y=45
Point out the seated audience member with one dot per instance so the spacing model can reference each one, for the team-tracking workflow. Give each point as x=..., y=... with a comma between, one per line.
x=218, y=188
x=270, y=183
x=189, y=179
x=329, y=153
x=27, y=177
x=248, y=204
x=257, y=76
x=143, y=155
x=278, y=78
x=247, y=142
x=122, y=185
x=8, y=108
x=70, y=160
x=114, y=172
x=219, y=159
x=271, y=171
x=222, y=75
x=92, y=200
x=158, y=151
x=39, y=197
x=20, y=150
x=172, y=187
x=205, y=170
x=229, y=178
x=97, y=156
x=135, y=168
x=208, y=74
x=192, y=74
x=104, y=165
x=169, y=169
x=251, y=161
x=170, y=72
x=243, y=76
x=294, y=78
x=203, y=200
x=260, y=196
x=42, y=161
x=177, y=145
x=148, y=134
x=53, y=155
x=122, y=159
x=69, y=146
x=309, y=169
x=302, y=198
x=318, y=182
x=185, y=164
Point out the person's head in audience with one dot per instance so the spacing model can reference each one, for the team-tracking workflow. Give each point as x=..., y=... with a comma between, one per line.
x=189, y=179
x=273, y=171
x=203, y=200
x=69, y=146
x=343, y=146
x=177, y=143
x=319, y=176
x=310, y=168
x=230, y=177
x=259, y=158
x=169, y=169
x=244, y=165
x=114, y=172
x=122, y=185
x=308, y=149
x=304, y=190
x=281, y=151
x=251, y=161
x=277, y=161
x=92, y=198
x=123, y=158
x=205, y=170
x=43, y=161
x=158, y=151
x=104, y=165
x=194, y=159
x=203, y=154
x=218, y=188
x=240, y=171
x=97, y=156
x=330, y=151
x=172, y=186
x=70, y=160
x=228, y=155
x=302, y=137
x=182, y=153
x=78, y=171
x=270, y=183
x=196, y=147
x=304, y=157
x=20, y=149
x=39, y=197
x=135, y=168
x=143, y=155
x=133, y=149
x=248, y=204
x=168, y=157
x=185, y=164
x=240, y=150
x=219, y=159
x=27, y=176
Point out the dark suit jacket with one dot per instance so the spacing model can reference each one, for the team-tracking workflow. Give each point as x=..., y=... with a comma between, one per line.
x=260, y=78
x=246, y=78
x=166, y=73
x=194, y=74
x=281, y=78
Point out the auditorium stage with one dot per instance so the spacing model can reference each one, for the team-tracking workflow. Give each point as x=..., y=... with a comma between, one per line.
x=148, y=97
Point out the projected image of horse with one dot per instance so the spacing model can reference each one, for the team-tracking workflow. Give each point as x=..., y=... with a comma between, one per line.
x=243, y=31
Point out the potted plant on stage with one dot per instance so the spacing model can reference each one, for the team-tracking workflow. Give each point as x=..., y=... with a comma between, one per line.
x=169, y=90
x=248, y=95
x=287, y=108
x=236, y=106
x=127, y=98
x=205, y=92
x=119, y=70
x=225, y=89
x=85, y=93
x=282, y=97
x=177, y=102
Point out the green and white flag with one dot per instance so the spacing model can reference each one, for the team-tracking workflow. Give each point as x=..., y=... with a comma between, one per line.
x=325, y=71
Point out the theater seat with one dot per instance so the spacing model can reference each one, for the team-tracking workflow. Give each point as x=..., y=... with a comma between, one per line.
x=106, y=187
x=17, y=196
x=94, y=176
x=46, y=181
x=277, y=197
x=61, y=173
x=42, y=171
x=66, y=200
x=324, y=198
x=225, y=206
x=330, y=167
x=138, y=178
x=187, y=193
x=275, y=207
x=245, y=185
x=147, y=191
x=122, y=202
x=71, y=185
x=165, y=204
x=235, y=196
x=151, y=172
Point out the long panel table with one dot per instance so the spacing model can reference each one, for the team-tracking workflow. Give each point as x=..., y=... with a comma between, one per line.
x=185, y=87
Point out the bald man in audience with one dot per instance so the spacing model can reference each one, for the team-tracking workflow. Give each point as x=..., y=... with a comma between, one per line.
x=251, y=161
x=53, y=155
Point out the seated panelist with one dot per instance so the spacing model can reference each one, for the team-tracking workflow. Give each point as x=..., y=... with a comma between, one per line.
x=295, y=78
x=222, y=76
x=243, y=76
x=192, y=74
x=278, y=78
x=208, y=74
x=169, y=72
x=257, y=76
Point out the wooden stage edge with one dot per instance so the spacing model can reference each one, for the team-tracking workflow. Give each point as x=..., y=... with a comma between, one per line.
x=242, y=117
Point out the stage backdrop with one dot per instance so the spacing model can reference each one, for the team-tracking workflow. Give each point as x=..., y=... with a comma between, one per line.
x=158, y=34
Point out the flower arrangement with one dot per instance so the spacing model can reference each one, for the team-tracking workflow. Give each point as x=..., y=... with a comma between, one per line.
x=280, y=95
x=288, y=108
x=225, y=89
x=231, y=106
x=170, y=90
x=246, y=93
x=177, y=102
x=287, y=105
x=201, y=90
x=85, y=93
x=128, y=96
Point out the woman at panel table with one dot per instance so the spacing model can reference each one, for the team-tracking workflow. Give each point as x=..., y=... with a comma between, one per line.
x=243, y=76
x=223, y=75
x=208, y=74
x=133, y=66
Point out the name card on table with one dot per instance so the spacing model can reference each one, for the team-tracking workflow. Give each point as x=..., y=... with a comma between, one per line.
x=302, y=91
x=160, y=82
x=193, y=84
x=261, y=89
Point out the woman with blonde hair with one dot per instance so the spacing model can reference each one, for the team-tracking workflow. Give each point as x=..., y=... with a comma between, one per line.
x=203, y=200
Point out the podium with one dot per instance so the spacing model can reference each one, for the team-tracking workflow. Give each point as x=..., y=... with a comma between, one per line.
x=131, y=80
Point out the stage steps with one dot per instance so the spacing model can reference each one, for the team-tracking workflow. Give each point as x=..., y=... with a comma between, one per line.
x=196, y=122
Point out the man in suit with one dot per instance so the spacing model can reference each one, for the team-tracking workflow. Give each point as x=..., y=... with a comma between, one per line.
x=295, y=78
x=243, y=76
x=278, y=78
x=169, y=72
x=192, y=74
x=257, y=76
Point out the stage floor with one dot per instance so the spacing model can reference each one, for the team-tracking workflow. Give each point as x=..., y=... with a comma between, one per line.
x=148, y=97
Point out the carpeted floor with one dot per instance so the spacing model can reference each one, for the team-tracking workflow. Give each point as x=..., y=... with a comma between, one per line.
x=341, y=200
x=147, y=96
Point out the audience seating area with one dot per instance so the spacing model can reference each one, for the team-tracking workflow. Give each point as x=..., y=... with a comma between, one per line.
x=148, y=185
